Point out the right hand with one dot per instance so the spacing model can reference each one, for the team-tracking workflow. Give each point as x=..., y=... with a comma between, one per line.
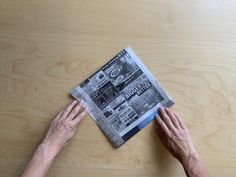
x=174, y=135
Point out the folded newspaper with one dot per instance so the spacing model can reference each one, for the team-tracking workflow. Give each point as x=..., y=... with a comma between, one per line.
x=123, y=97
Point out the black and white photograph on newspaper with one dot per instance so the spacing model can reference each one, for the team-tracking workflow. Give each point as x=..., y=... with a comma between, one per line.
x=123, y=96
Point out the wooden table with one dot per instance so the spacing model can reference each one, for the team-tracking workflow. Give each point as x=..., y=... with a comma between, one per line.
x=47, y=47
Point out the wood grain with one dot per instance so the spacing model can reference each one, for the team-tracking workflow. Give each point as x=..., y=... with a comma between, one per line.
x=47, y=47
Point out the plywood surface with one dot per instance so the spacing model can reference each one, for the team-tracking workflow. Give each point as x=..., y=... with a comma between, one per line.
x=47, y=47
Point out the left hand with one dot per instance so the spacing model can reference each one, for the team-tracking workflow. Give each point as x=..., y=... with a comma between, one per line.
x=64, y=126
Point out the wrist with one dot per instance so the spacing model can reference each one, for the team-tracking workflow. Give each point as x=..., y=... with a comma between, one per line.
x=194, y=167
x=191, y=163
x=47, y=151
x=189, y=158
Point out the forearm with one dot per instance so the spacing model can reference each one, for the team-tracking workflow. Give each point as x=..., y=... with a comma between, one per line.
x=61, y=129
x=194, y=167
x=40, y=162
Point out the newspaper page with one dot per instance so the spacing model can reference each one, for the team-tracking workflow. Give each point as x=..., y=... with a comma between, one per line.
x=123, y=97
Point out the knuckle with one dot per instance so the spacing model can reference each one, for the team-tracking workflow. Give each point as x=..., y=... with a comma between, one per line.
x=65, y=112
x=70, y=127
x=83, y=114
x=72, y=114
x=175, y=120
x=165, y=115
x=75, y=110
x=69, y=107
x=66, y=125
x=64, y=122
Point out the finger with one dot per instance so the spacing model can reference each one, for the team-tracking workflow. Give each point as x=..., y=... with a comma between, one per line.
x=166, y=119
x=162, y=135
x=172, y=118
x=80, y=117
x=161, y=125
x=75, y=111
x=68, y=108
x=58, y=116
x=179, y=119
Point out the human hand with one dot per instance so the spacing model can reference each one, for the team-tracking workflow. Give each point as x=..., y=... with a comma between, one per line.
x=174, y=135
x=64, y=126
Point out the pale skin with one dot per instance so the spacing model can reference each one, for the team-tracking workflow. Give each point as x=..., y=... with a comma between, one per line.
x=175, y=136
x=60, y=131
x=172, y=132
